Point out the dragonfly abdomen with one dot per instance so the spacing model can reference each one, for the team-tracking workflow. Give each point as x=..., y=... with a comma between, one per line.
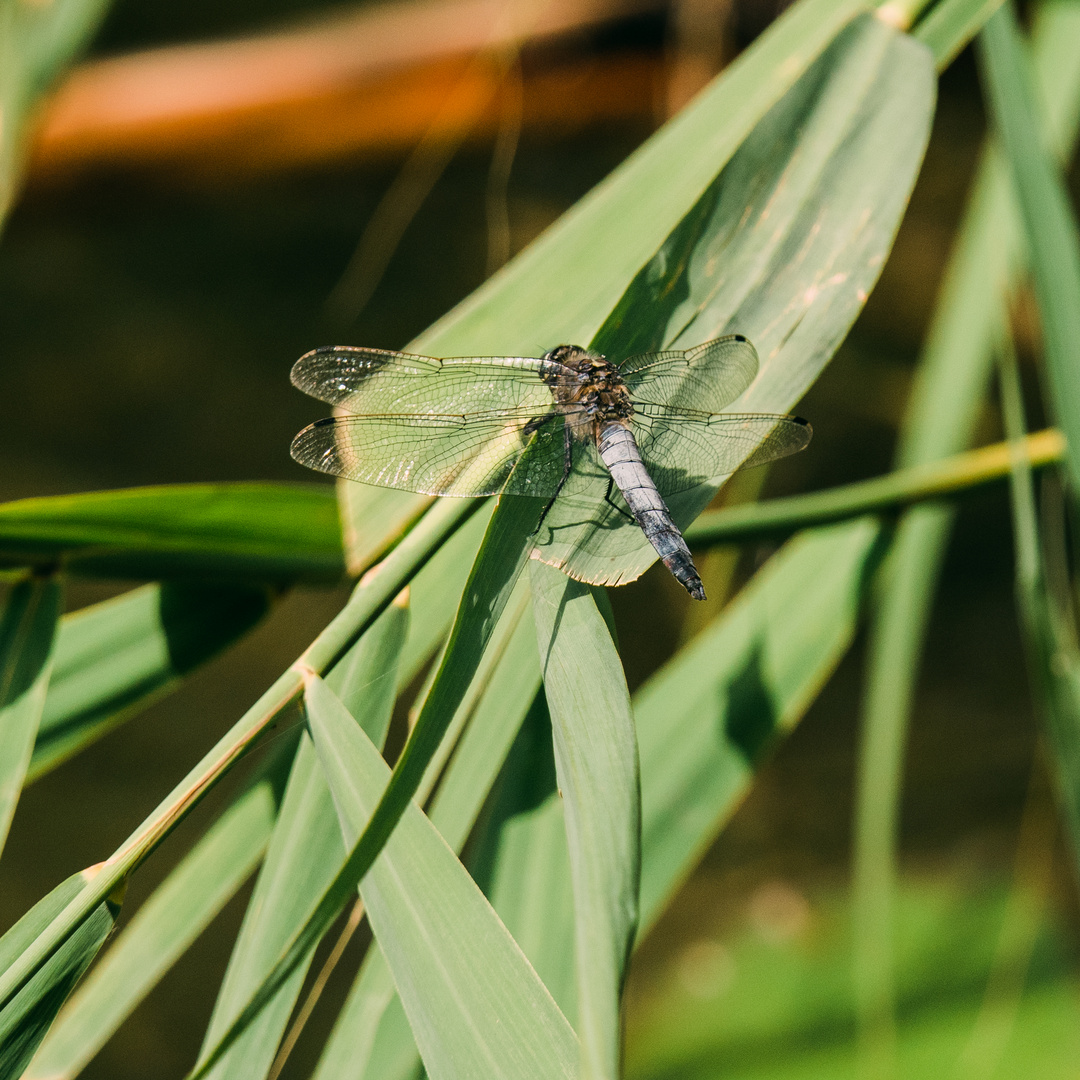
x=620, y=453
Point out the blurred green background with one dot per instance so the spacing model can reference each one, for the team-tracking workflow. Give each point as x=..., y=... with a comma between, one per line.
x=149, y=322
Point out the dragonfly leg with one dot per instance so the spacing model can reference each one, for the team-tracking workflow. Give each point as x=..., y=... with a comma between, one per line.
x=568, y=461
x=613, y=504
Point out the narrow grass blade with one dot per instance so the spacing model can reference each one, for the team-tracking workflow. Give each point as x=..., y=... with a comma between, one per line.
x=27, y=631
x=950, y=25
x=435, y=593
x=706, y=719
x=371, y=1038
x=945, y=401
x=955, y=475
x=474, y=1004
x=113, y=659
x=1050, y=226
x=1049, y=639
x=243, y=532
x=36, y=43
x=305, y=850
x=304, y=854
x=597, y=769
x=366, y=678
x=181, y=907
x=25, y=1019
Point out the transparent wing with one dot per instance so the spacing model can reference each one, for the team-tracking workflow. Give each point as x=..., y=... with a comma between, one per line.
x=439, y=455
x=706, y=378
x=378, y=382
x=683, y=450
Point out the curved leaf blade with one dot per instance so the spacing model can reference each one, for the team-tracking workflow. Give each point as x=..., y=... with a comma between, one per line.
x=242, y=532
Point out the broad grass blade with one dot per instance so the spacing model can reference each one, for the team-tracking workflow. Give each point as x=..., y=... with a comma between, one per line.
x=113, y=659
x=25, y=1019
x=474, y=1004
x=305, y=850
x=180, y=908
x=562, y=287
x=524, y=861
x=597, y=769
x=279, y=533
x=783, y=246
x=27, y=631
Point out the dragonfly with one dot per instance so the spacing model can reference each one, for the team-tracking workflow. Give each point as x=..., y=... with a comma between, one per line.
x=521, y=425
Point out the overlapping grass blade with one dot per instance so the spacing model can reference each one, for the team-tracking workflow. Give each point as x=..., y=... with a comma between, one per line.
x=27, y=631
x=25, y=1019
x=945, y=401
x=304, y=853
x=164, y=927
x=474, y=1004
x=706, y=719
x=369, y=600
x=597, y=769
x=114, y=658
x=371, y=1037
x=239, y=532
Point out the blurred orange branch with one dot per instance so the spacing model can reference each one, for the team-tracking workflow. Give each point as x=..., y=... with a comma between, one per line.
x=371, y=83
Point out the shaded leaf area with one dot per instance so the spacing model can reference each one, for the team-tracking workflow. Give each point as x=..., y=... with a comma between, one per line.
x=240, y=532
x=707, y=718
x=36, y=42
x=596, y=769
x=27, y=632
x=784, y=247
x=114, y=658
x=26, y=1017
x=772, y=997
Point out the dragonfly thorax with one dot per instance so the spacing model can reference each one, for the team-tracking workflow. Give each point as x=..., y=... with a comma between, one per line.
x=588, y=389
